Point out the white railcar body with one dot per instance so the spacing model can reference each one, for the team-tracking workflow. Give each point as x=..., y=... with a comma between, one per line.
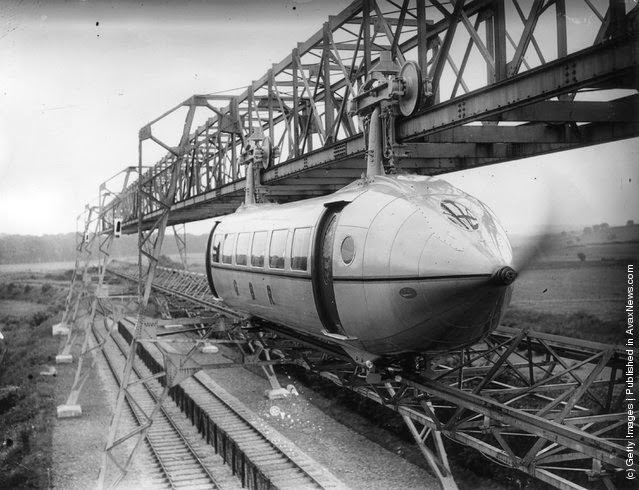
x=388, y=265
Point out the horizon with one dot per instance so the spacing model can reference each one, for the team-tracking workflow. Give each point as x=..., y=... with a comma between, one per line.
x=554, y=229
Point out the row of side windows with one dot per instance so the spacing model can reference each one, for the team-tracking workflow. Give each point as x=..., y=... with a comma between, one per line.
x=230, y=245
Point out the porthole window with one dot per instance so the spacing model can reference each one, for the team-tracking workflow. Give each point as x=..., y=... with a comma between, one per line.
x=348, y=250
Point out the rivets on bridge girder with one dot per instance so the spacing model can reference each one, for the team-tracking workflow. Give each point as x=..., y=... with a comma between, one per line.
x=461, y=109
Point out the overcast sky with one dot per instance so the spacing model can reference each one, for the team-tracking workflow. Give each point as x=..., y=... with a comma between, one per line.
x=79, y=78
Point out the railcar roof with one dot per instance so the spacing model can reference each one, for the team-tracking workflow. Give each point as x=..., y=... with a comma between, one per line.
x=306, y=213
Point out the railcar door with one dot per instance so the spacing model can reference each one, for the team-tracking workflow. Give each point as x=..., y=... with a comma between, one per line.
x=210, y=249
x=323, y=272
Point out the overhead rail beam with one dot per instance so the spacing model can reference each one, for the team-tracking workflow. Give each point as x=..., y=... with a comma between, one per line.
x=533, y=86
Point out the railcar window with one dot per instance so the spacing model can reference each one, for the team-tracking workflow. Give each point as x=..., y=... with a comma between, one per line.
x=348, y=250
x=215, y=248
x=277, y=249
x=299, y=252
x=257, y=250
x=227, y=248
x=242, y=248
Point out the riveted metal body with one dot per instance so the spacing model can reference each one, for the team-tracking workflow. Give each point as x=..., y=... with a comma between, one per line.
x=389, y=265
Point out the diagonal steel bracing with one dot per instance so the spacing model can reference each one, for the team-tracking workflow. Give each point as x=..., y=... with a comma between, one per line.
x=559, y=84
x=100, y=300
x=547, y=405
x=535, y=94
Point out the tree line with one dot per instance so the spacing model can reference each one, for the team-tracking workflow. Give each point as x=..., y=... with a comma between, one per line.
x=24, y=249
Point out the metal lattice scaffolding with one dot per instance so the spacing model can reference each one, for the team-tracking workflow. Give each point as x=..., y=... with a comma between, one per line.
x=495, y=90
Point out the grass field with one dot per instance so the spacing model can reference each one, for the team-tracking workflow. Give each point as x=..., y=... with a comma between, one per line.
x=36, y=267
x=561, y=294
x=18, y=308
x=27, y=398
x=597, y=289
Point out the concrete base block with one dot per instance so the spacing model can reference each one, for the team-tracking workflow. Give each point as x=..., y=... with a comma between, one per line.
x=60, y=329
x=277, y=394
x=50, y=371
x=69, y=411
x=63, y=359
x=209, y=349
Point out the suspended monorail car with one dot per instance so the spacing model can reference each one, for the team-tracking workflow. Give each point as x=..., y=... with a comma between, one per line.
x=390, y=265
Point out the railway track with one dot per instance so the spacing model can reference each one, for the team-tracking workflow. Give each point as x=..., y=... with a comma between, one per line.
x=218, y=425
x=181, y=460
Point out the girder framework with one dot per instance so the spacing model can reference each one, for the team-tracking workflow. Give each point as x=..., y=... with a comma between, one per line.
x=503, y=81
x=85, y=237
x=547, y=405
x=497, y=87
x=94, y=244
x=522, y=400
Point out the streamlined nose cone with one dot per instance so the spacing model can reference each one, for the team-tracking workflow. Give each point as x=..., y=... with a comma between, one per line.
x=505, y=276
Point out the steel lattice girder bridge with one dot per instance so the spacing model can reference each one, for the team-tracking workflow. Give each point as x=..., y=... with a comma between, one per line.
x=496, y=89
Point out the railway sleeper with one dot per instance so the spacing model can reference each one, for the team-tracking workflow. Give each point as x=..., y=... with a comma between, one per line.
x=240, y=446
x=189, y=476
x=171, y=454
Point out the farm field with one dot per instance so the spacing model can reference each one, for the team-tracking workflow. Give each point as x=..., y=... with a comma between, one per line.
x=27, y=382
x=18, y=307
x=598, y=289
x=36, y=267
x=561, y=294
